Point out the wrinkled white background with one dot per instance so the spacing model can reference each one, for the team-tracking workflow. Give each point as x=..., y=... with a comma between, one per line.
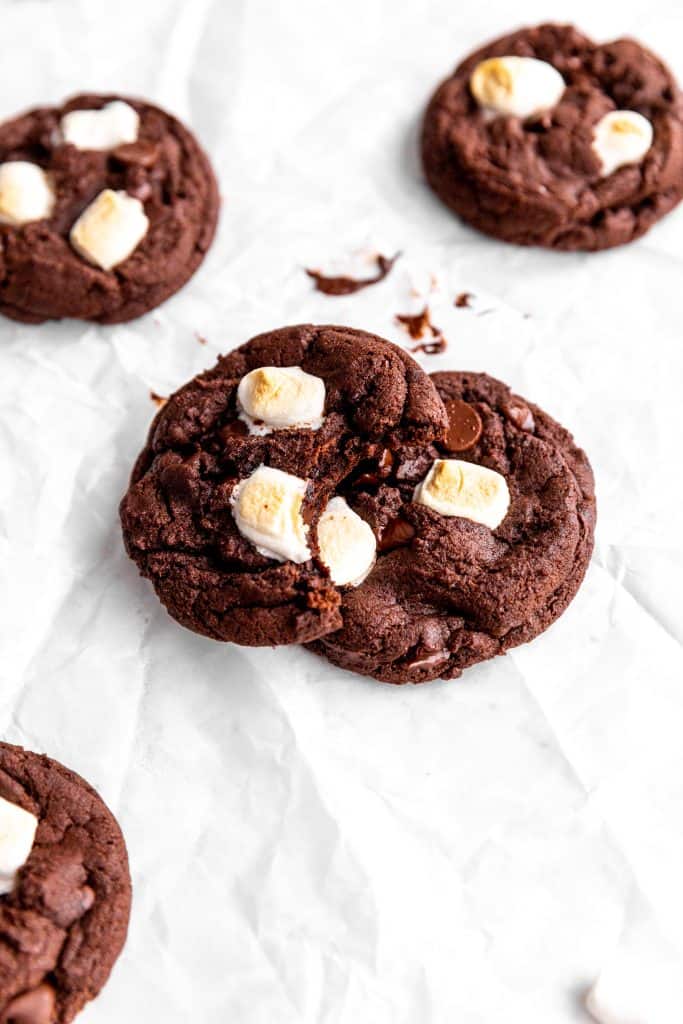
x=309, y=846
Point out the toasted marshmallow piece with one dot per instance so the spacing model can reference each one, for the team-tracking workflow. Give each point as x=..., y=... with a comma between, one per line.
x=621, y=137
x=108, y=230
x=280, y=396
x=112, y=125
x=520, y=86
x=346, y=542
x=267, y=510
x=456, y=488
x=25, y=193
x=17, y=832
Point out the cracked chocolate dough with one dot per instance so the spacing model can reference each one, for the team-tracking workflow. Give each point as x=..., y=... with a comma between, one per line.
x=205, y=539
x=162, y=175
x=537, y=179
x=447, y=592
x=64, y=921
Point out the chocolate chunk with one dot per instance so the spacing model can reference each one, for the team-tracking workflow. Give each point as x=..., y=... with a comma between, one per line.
x=520, y=414
x=464, y=426
x=347, y=285
x=34, y=1007
x=381, y=470
x=395, y=534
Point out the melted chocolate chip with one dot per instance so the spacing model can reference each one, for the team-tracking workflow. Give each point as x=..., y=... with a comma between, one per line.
x=520, y=414
x=235, y=428
x=380, y=471
x=34, y=1007
x=347, y=285
x=427, y=661
x=397, y=533
x=464, y=426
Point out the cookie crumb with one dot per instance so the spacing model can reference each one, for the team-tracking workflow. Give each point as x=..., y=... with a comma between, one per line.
x=158, y=400
x=463, y=300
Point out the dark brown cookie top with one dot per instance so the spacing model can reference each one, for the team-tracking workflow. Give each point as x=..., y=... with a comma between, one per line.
x=178, y=515
x=447, y=591
x=43, y=277
x=64, y=923
x=537, y=181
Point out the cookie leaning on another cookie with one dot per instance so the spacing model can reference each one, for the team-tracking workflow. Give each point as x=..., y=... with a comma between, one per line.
x=107, y=207
x=65, y=890
x=483, y=540
x=545, y=138
x=235, y=509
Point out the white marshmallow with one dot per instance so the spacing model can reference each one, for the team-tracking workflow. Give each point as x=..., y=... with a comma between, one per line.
x=267, y=510
x=280, y=396
x=108, y=230
x=17, y=832
x=113, y=125
x=456, y=488
x=25, y=193
x=621, y=137
x=346, y=542
x=520, y=86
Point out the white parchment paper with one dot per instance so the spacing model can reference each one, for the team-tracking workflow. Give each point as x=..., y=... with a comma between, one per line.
x=308, y=846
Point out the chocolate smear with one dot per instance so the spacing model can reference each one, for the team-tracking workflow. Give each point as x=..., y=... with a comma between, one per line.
x=418, y=325
x=347, y=285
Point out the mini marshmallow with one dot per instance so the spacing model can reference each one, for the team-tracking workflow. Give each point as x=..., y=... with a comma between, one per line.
x=346, y=542
x=17, y=832
x=113, y=125
x=108, y=230
x=280, y=396
x=456, y=488
x=520, y=86
x=25, y=193
x=621, y=137
x=267, y=510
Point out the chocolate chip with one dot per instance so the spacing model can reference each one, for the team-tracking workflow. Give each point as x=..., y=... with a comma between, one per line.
x=519, y=414
x=428, y=660
x=34, y=1007
x=464, y=426
x=142, y=153
x=396, y=533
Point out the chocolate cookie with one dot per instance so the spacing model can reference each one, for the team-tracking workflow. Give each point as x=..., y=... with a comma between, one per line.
x=483, y=539
x=64, y=890
x=107, y=207
x=545, y=138
x=234, y=509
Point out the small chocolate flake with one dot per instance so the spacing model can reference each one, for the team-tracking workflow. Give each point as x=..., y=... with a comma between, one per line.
x=347, y=285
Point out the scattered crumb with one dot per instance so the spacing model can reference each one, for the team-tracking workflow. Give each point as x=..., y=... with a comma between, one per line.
x=200, y=338
x=158, y=400
x=463, y=300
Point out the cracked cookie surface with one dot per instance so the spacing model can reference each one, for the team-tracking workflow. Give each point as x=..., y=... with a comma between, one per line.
x=177, y=516
x=64, y=923
x=42, y=276
x=448, y=592
x=537, y=181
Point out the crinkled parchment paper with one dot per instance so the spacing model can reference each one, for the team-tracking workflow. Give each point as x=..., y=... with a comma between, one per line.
x=308, y=846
